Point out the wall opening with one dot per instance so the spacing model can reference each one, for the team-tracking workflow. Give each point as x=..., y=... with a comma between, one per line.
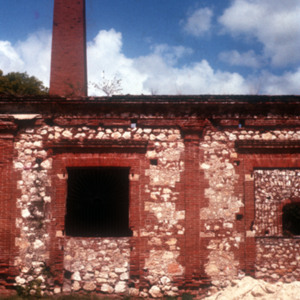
x=97, y=202
x=291, y=219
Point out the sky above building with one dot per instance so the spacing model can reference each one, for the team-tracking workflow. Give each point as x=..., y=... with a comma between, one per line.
x=167, y=46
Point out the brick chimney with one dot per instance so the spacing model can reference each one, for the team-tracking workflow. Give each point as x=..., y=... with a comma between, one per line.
x=68, y=59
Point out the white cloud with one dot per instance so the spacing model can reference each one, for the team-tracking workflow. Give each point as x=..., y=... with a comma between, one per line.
x=9, y=58
x=36, y=52
x=287, y=83
x=199, y=22
x=274, y=23
x=31, y=56
x=105, y=54
x=235, y=58
x=157, y=72
x=171, y=54
x=198, y=78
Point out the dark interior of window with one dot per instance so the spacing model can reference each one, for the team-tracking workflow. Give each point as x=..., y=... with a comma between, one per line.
x=291, y=219
x=98, y=202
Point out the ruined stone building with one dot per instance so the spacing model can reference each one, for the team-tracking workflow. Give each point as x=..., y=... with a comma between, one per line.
x=147, y=195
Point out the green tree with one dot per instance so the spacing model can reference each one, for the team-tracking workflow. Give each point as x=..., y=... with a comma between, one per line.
x=21, y=84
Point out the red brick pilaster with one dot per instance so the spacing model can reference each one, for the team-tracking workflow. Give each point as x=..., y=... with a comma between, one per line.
x=7, y=210
x=192, y=197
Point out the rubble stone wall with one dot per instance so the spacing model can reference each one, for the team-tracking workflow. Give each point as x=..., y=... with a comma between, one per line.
x=32, y=164
x=278, y=259
x=180, y=238
x=96, y=264
x=162, y=230
x=223, y=203
x=277, y=256
x=223, y=230
x=272, y=188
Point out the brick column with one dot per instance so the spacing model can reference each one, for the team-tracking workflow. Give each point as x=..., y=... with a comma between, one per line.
x=68, y=60
x=192, y=197
x=7, y=211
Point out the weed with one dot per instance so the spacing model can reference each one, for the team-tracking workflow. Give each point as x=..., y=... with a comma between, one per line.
x=187, y=296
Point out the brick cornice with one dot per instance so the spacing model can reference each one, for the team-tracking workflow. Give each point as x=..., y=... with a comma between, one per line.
x=255, y=146
x=98, y=145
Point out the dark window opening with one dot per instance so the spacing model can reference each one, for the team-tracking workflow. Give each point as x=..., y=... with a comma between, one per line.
x=98, y=202
x=239, y=217
x=153, y=162
x=133, y=123
x=237, y=163
x=241, y=123
x=291, y=219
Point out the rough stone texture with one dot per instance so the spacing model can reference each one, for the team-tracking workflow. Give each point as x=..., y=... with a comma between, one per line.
x=94, y=263
x=277, y=256
x=104, y=263
x=272, y=189
x=250, y=289
x=278, y=259
x=223, y=205
x=32, y=163
x=155, y=292
x=196, y=198
x=98, y=262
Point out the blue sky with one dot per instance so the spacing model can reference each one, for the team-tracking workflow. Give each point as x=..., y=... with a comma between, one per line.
x=167, y=46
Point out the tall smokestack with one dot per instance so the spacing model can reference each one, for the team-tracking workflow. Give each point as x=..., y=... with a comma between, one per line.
x=68, y=60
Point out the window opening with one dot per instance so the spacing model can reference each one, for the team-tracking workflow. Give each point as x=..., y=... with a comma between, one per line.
x=239, y=217
x=153, y=162
x=98, y=202
x=291, y=219
x=241, y=123
x=133, y=123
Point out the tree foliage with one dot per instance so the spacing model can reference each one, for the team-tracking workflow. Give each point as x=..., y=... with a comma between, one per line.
x=21, y=84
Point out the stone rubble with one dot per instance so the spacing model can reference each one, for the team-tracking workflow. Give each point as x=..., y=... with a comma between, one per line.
x=251, y=289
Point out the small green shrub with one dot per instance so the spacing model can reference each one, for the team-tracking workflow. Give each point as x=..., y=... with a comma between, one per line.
x=187, y=296
x=32, y=288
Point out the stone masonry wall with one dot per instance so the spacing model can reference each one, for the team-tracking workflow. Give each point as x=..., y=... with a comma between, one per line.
x=277, y=257
x=165, y=229
x=103, y=264
x=272, y=188
x=32, y=163
x=162, y=234
x=221, y=231
x=223, y=204
x=96, y=264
